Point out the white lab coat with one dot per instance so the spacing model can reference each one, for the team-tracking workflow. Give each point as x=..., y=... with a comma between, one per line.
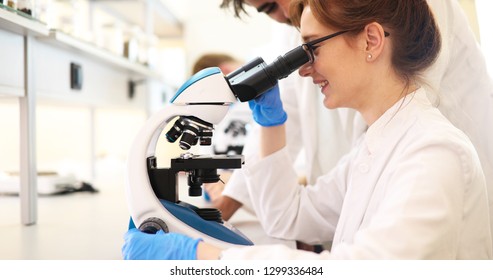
x=411, y=188
x=465, y=92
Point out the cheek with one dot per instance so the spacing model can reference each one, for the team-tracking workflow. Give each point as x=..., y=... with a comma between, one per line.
x=330, y=61
x=331, y=70
x=341, y=69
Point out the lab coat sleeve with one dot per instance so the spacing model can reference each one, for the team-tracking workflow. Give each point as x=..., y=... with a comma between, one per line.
x=289, y=211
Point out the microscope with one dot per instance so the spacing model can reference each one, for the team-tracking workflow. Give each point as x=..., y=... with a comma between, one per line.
x=198, y=105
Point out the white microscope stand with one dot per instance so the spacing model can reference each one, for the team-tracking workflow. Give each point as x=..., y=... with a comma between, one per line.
x=193, y=99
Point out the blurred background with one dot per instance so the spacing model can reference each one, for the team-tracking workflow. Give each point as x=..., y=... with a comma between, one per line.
x=99, y=69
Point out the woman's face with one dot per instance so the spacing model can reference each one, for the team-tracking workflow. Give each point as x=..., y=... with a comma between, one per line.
x=338, y=67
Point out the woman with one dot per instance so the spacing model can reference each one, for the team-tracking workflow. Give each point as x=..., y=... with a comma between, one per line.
x=459, y=73
x=411, y=188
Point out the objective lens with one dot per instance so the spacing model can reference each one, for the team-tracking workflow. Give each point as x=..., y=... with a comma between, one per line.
x=206, y=138
x=189, y=137
x=176, y=130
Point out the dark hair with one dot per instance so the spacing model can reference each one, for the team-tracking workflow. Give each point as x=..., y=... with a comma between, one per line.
x=238, y=6
x=211, y=60
x=415, y=36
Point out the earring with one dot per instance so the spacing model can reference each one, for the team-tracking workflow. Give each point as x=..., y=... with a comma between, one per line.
x=370, y=56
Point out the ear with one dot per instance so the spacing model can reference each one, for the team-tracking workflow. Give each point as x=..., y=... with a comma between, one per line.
x=375, y=40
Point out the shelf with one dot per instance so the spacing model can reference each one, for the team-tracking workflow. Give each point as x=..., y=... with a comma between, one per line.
x=63, y=40
x=20, y=23
x=148, y=14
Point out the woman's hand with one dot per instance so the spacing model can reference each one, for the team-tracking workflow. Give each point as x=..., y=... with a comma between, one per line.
x=160, y=246
x=166, y=246
x=267, y=108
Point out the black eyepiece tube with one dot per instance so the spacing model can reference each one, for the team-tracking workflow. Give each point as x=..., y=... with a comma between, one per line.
x=284, y=65
x=256, y=77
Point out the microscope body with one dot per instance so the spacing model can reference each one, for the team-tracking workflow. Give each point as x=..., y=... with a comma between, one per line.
x=202, y=102
x=152, y=193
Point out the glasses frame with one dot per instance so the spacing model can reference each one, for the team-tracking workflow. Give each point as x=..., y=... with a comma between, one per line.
x=310, y=46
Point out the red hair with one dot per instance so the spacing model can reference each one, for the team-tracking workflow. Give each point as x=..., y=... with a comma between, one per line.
x=415, y=36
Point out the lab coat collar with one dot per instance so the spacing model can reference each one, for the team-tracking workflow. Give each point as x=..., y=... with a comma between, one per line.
x=398, y=117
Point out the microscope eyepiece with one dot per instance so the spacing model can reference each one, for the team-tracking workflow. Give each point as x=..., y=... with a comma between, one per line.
x=256, y=77
x=286, y=64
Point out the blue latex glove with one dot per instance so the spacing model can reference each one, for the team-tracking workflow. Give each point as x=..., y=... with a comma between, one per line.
x=160, y=246
x=267, y=108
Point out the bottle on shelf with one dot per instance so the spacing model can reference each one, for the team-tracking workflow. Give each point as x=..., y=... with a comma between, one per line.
x=131, y=44
x=11, y=3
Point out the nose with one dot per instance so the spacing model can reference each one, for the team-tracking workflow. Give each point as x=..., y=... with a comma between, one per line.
x=284, y=6
x=305, y=70
x=280, y=15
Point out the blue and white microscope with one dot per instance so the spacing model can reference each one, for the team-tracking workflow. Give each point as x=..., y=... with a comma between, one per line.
x=201, y=103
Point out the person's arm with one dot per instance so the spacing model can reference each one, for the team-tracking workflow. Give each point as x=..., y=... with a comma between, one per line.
x=227, y=205
x=207, y=251
x=272, y=139
x=174, y=246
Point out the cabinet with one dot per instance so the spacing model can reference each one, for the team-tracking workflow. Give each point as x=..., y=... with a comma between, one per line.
x=39, y=61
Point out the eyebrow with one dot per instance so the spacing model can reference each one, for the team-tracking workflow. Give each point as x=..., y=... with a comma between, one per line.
x=307, y=38
x=267, y=7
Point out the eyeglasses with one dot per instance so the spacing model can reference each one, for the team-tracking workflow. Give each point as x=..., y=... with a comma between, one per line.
x=310, y=47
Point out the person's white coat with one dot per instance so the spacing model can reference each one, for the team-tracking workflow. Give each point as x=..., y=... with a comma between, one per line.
x=411, y=188
x=465, y=97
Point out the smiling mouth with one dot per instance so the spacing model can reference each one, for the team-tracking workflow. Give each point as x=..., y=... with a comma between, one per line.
x=322, y=84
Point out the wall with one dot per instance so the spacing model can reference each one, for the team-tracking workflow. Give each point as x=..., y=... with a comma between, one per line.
x=225, y=33
x=210, y=28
